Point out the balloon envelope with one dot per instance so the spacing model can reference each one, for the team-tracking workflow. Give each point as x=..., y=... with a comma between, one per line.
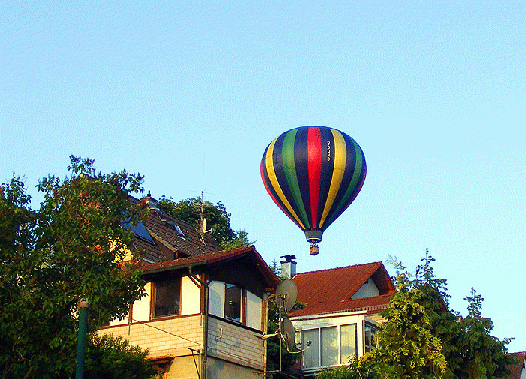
x=313, y=173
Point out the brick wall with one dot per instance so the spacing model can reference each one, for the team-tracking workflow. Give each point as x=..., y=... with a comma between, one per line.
x=163, y=337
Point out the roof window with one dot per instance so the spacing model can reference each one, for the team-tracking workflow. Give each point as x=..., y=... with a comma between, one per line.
x=139, y=229
x=175, y=227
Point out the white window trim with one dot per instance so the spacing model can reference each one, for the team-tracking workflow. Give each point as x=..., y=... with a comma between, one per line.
x=338, y=328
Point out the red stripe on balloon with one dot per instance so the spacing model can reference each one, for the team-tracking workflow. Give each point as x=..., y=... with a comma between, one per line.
x=314, y=169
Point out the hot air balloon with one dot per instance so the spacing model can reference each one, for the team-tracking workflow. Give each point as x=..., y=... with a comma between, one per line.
x=313, y=173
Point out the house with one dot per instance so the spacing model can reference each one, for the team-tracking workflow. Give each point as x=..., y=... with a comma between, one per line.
x=340, y=314
x=205, y=310
x=518, y=370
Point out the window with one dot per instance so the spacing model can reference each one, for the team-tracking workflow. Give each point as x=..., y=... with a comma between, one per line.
x=329, y=346
x=370, y=339
x=233, y=302
x=166, y=297
x=175, y=227
x=139, y=229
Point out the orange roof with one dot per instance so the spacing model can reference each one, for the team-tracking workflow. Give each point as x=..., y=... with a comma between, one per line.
x=516, y=369
x=329, y=291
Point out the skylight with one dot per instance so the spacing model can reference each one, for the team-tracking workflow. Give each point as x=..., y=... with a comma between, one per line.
x=139, y=229
x=175, y=227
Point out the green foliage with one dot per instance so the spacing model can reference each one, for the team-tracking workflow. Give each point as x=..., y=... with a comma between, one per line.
x=408, y=347
x=357, y=369
x=114, y=358
x=482, y=355
x=422, y=338
x=71, y=248
x=216, y=215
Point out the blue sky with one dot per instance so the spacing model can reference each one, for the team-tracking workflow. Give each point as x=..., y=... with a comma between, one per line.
x=190, y=95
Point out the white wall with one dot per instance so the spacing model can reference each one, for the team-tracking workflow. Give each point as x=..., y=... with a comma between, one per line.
x=216, y=298
x=141, y=308
x=254, y=308
x=190, y=297
x=368, y=289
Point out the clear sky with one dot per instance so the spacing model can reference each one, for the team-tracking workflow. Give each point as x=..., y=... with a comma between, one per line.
x=190, y=95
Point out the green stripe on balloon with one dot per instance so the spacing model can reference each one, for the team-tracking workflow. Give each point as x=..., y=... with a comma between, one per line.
x=351, y=189
x=289, y=166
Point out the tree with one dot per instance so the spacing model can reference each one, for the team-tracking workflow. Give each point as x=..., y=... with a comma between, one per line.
x=73, y=247
x=422, y=338
x=483, y=355
x=113, y=358
x=192, y=211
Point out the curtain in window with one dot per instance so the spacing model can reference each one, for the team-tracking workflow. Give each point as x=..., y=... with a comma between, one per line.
x=329, y=346
x=311, y=344
x=347, y=343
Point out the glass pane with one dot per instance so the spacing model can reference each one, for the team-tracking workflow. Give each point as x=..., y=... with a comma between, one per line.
x=329, y=346
x=310, y=341
x=370, y=341
x=347, y=343
x=233, y=302
x=167, y=297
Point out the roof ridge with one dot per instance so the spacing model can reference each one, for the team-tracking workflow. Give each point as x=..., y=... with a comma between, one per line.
x=342, y=267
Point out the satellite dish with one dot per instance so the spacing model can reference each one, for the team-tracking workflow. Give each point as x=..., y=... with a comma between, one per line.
x=288, y=334
x=286, y=295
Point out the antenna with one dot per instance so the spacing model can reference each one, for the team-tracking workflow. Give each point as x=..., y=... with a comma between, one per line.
x=202, y=219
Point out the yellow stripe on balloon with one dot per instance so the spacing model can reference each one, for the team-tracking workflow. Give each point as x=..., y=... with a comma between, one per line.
x=340, y=158
x=275, y=184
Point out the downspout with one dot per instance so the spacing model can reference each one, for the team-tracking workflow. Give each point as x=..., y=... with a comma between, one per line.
x=205, y=328
x=264, y=322
x=204, y=316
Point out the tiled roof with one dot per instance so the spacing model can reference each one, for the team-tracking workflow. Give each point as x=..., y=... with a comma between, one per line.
x=516, y=369
x=209, y=259
x=167, y=243
x=171, y=244
x=328, y=291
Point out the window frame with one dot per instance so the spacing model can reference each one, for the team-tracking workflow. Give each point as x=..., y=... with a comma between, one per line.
x=320, y=346
x=242, y=304
x=153, y=298
x=369, y=337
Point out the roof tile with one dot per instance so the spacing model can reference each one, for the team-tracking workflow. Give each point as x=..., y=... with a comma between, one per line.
x=327, y=291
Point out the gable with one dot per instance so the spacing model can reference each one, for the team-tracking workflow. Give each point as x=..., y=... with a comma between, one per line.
x=365, y=286
x=242, y=266
x=368, y=289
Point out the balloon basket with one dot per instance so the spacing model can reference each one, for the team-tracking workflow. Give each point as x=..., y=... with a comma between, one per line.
x=314, y=249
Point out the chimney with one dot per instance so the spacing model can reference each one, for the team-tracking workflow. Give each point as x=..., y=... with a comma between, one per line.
x=288, y=266
x=151, y=202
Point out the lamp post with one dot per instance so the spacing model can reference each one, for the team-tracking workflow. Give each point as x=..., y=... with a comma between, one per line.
x=81, y=339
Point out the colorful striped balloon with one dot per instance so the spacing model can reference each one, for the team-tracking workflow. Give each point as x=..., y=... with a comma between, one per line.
x=313, y=173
